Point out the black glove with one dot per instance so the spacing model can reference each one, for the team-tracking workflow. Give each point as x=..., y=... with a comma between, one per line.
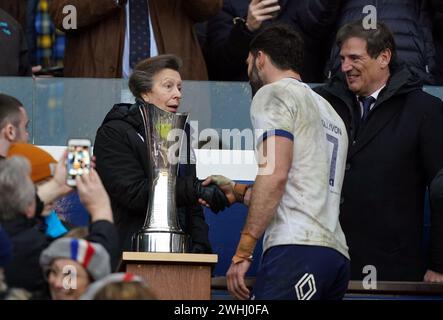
x=212, y=194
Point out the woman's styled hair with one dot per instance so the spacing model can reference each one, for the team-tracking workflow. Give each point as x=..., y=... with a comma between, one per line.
x=141, y=80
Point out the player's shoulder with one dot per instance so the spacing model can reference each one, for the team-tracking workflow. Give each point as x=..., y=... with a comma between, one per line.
x=286, y=89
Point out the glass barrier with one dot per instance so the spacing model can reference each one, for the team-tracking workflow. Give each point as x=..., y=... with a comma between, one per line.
x=62, y=108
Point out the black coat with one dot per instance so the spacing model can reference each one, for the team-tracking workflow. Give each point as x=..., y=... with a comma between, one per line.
x=391, y=161
x=228, y=43
x=122, y=163
x=29, y=240
x=436, y=7
x=14, y=51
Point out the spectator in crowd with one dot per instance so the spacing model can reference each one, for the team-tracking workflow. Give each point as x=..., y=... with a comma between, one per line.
x=5, y=257
x=410, y=23
x=119, y=286
x=107, y=31
x=231, y=30
x=395, y=151
x=19, y=218
x=13, y=123
x=15, y=60
x=16, y=9
x=46, y=43
x=42, y=163
x=7, y=293
x=71, y=265
x=122, y=159
x=42, y=168
x=436, y=7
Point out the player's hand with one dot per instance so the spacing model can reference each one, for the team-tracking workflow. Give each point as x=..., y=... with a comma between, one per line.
x=432, y=276
x=259, y=11
x=236, y=280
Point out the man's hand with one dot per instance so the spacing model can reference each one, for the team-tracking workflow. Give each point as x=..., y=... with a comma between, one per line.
x=236, y=280
x=56, y=187
x=432, y=276
x=60, y=174
x=93, y=196
x=260, y=11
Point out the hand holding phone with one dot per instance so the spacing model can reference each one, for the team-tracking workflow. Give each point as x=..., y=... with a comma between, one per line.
x=259, y=11
x=78, y=161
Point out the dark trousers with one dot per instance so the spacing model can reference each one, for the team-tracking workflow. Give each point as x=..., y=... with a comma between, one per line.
x=302, y=272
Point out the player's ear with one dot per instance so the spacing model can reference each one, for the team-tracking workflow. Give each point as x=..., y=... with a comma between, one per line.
x=261, y=59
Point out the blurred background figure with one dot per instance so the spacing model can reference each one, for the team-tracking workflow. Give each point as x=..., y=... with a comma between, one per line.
x=17, y=9
x=5, y=257
x=103, y=47
x=14, y=50
x=231, y=30
x=46, y=43
x=119, y=286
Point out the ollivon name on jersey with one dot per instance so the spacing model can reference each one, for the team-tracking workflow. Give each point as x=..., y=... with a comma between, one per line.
x=331, y=127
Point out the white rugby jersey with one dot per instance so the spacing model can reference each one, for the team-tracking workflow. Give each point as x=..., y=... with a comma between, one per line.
x=308, y=213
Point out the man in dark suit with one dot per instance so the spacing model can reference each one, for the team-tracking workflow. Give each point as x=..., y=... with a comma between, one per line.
x=396, y=149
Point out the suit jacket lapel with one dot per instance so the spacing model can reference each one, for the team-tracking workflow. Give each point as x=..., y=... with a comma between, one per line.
x=379, y=119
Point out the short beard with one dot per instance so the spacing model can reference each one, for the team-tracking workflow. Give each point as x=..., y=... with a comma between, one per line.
x=254, y=80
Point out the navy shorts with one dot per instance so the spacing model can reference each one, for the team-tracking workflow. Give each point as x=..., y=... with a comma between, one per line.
x=302, y=272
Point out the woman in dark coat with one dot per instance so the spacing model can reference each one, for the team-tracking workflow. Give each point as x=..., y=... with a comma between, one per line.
x=123, y=162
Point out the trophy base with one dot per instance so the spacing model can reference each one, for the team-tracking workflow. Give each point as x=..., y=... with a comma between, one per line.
x=159, y=241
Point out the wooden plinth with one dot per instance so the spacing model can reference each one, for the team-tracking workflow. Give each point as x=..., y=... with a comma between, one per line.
x=173, y=276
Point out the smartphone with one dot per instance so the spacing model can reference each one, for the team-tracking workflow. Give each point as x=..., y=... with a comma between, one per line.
x=79, y=159
x=51, y=71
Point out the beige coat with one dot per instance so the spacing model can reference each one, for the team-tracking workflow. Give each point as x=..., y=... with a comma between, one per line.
x=95, y=49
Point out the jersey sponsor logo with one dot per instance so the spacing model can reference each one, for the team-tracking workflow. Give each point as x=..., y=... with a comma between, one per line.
x=305, y=287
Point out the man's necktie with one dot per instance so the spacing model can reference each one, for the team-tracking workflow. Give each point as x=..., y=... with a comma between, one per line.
x=139, y=48
x=366, y=103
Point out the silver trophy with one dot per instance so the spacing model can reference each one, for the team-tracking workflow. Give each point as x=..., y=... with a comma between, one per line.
x=161, y=231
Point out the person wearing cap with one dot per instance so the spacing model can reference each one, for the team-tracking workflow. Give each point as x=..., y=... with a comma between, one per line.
x=71, y=265
x=42, y=167
x=17, y=215
x=119, y=286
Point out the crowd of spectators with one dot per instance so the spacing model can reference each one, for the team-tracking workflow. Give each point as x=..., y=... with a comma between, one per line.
x=211, y=36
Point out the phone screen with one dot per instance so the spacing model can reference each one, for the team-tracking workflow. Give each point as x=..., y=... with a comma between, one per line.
x=79, y=161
